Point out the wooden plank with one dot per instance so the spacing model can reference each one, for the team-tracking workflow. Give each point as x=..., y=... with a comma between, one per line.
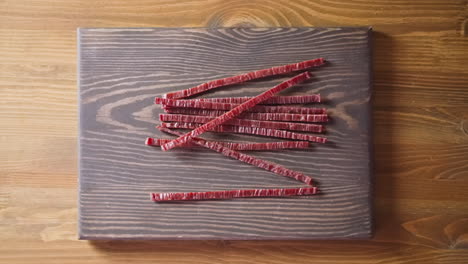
x=115, y=179
x=399, y=17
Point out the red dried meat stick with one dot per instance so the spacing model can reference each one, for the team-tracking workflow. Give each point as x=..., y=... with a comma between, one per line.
x=267, y=132
x=295, y=99
x=254, y=116
x=244, y=146
x=193, y=111
x=236, y=111
x=287, y=109
x=243, y=122
x=195, y=103
x=266, y=165
x=245, y=77
x=224, y=195
x=286, y=117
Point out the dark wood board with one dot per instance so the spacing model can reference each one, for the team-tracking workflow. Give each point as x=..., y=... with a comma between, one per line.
x=122, y=70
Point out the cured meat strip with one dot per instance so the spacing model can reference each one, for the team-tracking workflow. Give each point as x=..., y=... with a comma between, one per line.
x=223, y=195
x=254, y=116
x=193, y=111
x=243, y=146
x=286, y=117
x=195, y=103
x=243, y=122
x=245, y=77
x=268, y=132
x=236, y=111
x=266, y=165
x=296, y=99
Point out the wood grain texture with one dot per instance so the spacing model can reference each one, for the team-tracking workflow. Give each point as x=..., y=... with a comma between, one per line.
x=420, y=81
x=122, y=70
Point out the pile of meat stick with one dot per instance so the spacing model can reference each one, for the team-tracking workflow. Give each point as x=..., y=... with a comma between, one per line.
x=266, y=114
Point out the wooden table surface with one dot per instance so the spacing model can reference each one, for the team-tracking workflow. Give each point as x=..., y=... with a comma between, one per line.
x=421, y=129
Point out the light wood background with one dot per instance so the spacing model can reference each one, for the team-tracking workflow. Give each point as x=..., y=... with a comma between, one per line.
x=421, y=129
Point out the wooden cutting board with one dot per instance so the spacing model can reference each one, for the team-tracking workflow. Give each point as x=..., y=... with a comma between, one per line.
x=122, y=70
